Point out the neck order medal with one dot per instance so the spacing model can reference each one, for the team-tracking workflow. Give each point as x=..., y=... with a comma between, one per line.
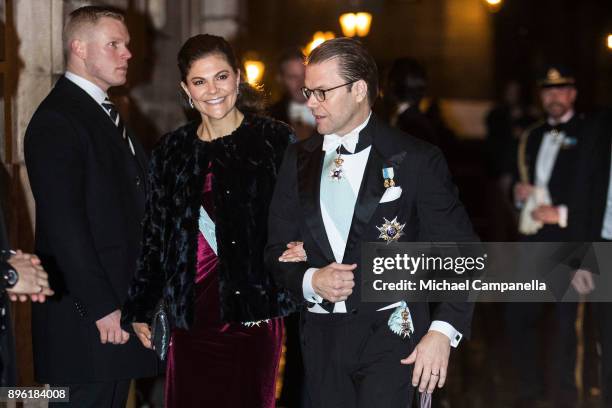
x=337, y=172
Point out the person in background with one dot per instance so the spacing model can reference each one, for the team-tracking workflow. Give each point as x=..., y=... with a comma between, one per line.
x=405, y=89
x=548, y=158
x=505, y=123
x=595, y=217
x=291, y=108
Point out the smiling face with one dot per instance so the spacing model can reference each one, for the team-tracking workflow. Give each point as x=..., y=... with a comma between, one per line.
x=558, y=100
x=344, y=108
x=103, y=50
x=212, y=84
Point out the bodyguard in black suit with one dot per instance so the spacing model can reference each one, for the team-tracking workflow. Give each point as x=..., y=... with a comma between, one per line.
x=351, y=357
x=87, y=175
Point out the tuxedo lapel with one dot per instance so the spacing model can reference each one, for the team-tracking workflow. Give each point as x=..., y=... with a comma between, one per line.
x=383, y=154
x=371, y=190
x=309, y=167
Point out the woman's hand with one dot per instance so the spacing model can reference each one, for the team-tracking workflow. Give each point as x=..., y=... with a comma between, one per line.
x=143, y=332
x=295, y=252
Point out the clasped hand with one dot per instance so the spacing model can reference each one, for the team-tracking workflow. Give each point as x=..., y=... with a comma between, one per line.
x=110, y=329
x=333, y=282
x=33, y=282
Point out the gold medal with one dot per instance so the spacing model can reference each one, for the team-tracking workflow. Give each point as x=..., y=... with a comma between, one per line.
x=337, y=172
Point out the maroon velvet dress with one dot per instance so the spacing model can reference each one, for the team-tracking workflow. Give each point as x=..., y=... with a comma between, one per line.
x=216, y=364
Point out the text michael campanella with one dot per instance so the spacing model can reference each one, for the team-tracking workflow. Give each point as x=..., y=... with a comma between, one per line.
x=455, y=265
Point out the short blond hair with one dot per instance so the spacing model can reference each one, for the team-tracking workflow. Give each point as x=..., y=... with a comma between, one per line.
x=88, y=15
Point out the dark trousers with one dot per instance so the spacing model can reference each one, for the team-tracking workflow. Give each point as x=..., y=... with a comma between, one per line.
x=112, y=394
x=292, y=395
x=353, y=361
x=526, y=330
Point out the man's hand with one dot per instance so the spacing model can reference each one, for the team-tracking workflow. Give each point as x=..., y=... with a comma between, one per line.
x=143, y=332
x=583, y=282
x=33, y=280
x=430, y=359
x=522, y=191
x=294, y=253
x=110, y=329
x=334, y=282
x=546, y=214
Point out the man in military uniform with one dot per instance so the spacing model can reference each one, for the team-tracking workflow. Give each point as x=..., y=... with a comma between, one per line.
x=547, y=193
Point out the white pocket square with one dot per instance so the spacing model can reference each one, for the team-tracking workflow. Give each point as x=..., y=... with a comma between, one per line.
x=392, y=193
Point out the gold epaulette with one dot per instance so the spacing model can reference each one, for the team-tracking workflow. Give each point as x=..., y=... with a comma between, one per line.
x=523, y=167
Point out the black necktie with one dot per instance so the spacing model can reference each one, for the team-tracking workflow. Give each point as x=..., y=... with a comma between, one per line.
x=114, y=115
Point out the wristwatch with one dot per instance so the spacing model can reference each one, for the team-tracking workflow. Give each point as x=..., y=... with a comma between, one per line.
x=9, y=274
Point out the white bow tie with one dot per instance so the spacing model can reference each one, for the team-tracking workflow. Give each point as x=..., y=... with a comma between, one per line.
x=349, y=141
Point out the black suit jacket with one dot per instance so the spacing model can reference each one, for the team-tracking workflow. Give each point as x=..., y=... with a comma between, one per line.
x=89, y=194
x=565, y=184
x=593, y=177
x=428, y=205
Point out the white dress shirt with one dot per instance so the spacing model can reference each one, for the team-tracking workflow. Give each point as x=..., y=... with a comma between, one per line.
x=606, y=230
x=92, y=89
x=97, y=94
x=545, y=162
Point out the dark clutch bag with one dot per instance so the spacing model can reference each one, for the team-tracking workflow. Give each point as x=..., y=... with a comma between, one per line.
x=160, y=330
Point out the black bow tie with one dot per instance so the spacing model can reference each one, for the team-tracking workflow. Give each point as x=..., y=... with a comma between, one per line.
x=558, y=128
x=363, y=143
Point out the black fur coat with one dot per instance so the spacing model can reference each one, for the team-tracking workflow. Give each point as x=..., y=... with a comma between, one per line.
x=244, y=165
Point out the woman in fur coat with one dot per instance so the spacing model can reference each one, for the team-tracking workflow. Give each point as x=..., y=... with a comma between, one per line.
x=205, y=228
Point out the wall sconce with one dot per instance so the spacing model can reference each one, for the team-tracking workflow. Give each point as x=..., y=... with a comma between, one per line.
x=254, y=71
x=317, y=39
x=493, y=5
x=609, y=42
x=355, y=24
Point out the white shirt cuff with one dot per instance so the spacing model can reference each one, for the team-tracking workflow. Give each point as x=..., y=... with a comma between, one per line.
x=448, y=330
x=308, y=291
x=562, y=209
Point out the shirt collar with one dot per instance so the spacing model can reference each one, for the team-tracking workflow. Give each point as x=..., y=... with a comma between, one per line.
x=92, y=89
x=564, y=119
x=349, y=141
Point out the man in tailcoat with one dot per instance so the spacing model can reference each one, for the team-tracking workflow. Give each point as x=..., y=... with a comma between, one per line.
x=332, y=205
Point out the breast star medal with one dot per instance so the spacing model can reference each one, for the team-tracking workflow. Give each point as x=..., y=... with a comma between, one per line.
x=388, y=176
x=391, y=231
x=400, y=321
x=337, y=172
